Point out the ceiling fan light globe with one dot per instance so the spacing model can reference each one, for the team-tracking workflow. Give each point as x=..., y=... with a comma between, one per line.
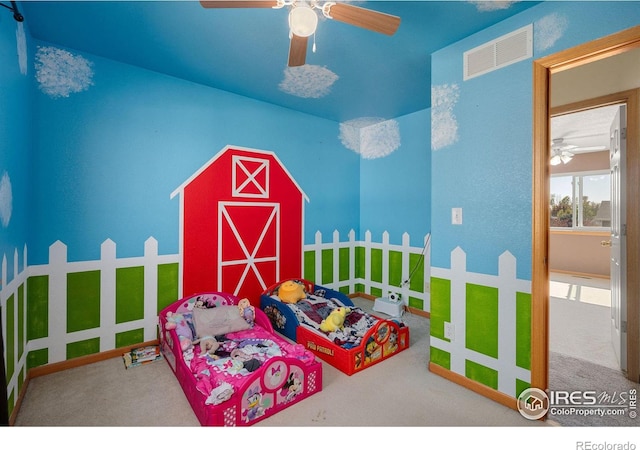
x=555, y=160
x=566, y=158
x=303, y=21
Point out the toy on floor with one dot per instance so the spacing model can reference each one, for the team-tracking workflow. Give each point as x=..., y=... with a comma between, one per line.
x=335, y=320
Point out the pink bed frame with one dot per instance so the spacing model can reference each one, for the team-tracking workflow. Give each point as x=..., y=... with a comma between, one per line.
x=237, y=411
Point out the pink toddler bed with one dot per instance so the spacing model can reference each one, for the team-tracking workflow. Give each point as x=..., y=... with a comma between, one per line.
x=239, y=372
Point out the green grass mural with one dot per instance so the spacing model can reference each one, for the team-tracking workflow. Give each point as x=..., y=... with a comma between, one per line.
x=490, y=318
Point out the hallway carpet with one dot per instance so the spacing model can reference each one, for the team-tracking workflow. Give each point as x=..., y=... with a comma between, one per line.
x=608, y=389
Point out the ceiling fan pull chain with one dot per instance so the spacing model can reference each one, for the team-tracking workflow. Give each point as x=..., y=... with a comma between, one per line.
x=313, y=48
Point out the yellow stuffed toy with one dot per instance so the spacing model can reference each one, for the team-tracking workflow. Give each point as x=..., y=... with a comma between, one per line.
x=291, y=292
x=335, y=320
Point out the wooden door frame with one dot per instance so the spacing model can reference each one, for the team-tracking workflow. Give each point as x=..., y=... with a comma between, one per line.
x=543, y=68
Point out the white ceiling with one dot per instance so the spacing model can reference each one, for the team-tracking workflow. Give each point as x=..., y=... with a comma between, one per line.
x=588, y=130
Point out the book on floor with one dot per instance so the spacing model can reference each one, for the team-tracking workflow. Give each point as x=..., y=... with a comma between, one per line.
x=141, y=355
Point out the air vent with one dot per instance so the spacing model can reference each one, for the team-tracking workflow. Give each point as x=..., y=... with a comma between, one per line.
x=501, y=52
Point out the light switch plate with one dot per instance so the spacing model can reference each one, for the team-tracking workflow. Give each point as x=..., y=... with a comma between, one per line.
x=456, y=216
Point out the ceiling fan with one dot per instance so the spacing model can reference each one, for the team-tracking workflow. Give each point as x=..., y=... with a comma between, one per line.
x=560, y=152
x=303, y=19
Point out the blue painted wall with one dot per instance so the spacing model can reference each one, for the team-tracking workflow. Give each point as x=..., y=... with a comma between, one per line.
x=395, y=190
x=484, y=164
x=15, y=140
x=108, y=158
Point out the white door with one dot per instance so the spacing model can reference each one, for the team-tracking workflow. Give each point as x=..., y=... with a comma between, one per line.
x=617, y=156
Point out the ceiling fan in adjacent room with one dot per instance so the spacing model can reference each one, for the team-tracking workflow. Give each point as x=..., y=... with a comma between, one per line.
x=303, y=19
x=560, y=152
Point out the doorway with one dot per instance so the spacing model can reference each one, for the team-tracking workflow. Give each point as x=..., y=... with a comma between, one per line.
x=543, y=69
x=580, y=274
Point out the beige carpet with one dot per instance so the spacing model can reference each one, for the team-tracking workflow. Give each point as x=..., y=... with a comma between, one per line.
x=580, y=318
x=399, y=392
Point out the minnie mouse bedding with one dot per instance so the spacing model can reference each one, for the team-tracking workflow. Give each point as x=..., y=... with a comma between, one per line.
x=238, y=376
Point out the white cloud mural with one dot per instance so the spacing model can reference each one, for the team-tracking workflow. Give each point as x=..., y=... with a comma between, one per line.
x=371, y=137
x=493, y=5
x=307, y=81
x=444, y=125
x=6, y=200
x=548, y=30
x=61, y=73
x=21, y=44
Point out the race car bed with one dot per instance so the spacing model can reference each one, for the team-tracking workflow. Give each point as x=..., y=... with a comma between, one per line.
x=328, y=323
x=233, y=368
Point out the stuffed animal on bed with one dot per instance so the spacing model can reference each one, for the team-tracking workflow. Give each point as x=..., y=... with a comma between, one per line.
x=176, y=321
x=247, y=311
x=291, y=292
x=335, y=320
x=208, y=344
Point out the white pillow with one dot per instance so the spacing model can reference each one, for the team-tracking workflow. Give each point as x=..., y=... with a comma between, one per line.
x=218, y=321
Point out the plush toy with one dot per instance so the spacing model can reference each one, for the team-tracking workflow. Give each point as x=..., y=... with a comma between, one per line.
x=247, y=311
x=335, y=320
x=291, y=292
x=179, y=323
x=208, y=344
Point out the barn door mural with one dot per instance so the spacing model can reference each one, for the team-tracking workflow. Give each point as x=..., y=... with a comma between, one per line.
x=241, y=220
x=248, y=245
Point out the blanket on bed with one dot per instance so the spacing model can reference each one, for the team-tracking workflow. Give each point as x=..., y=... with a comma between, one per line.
x=315, y=308
x=220, y=375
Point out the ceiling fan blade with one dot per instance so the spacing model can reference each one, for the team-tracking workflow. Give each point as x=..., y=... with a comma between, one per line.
x=594, y=148
x=297, y=50
x=239, y=3
x=364, y=18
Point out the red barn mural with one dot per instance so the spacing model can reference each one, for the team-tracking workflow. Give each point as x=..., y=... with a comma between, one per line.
x=241, y=217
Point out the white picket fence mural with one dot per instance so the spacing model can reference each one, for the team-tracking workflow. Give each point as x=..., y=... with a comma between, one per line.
x=369, y=245
x=508, y=285
x=58, y=268
x=11, y=289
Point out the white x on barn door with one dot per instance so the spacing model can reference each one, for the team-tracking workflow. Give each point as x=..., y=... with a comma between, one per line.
x=248, y=245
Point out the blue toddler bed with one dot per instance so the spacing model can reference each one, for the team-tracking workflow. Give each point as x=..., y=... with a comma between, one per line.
x=362, y=341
